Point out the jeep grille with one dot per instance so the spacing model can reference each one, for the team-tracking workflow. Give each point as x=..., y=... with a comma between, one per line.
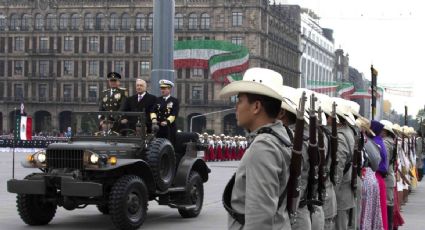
x=65, y=158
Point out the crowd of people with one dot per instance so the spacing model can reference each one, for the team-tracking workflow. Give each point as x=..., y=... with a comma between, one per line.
x=222, y=147
x=314, y=162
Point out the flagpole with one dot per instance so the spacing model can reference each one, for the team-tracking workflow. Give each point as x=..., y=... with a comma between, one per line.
x=13, y=146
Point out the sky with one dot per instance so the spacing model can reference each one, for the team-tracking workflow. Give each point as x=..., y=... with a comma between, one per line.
x=386, y=33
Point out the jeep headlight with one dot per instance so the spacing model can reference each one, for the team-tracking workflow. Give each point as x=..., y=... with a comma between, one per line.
x=41, y=157
x=94, y=158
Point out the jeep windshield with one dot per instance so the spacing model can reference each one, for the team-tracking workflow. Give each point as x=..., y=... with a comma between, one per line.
x=108, y=125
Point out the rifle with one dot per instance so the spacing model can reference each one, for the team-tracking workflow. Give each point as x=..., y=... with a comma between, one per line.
x=354, y=171
x=313, y=155
x=296, y=160
x=334, y=146
x=322, y=172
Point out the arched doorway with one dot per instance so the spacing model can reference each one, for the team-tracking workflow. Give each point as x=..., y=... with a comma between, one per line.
x=230, y=126
x=198, y=123
x=64, y=121
x=12, y=120
x=43, y=122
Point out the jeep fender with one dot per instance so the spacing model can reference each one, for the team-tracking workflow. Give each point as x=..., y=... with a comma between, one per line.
x=187, y=164
x=132, y=167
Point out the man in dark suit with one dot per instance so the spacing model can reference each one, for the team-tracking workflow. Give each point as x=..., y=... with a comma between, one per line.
x=165, y=112
x=142, y=101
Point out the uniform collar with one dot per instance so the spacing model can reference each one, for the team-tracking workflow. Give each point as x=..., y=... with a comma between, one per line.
x=166, y=98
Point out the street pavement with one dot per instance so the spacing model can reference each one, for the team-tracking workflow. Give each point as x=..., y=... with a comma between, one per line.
x=212, y=216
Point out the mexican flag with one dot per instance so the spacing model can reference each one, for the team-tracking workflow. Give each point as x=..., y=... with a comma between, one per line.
x=23, y=128
x=222, y=58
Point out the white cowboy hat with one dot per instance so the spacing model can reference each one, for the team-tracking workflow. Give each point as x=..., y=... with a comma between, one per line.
x=344, y=111
x=388, y=125
x=318, y=102
x=364, y=123
x=397, y=129
x=354, y=108
x=326, y=104
x=256, y=81
x=291, y=102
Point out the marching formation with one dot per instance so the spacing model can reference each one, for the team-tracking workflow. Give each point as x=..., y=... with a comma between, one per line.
x=314, y=162
x=223, y=148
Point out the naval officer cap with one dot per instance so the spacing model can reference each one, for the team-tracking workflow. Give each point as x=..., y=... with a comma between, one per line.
x=113, y=76
x=164, y=83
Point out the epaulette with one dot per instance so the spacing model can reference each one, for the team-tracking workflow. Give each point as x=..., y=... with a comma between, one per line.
x=106, y=90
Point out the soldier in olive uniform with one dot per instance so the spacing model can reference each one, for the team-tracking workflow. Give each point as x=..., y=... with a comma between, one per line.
x=165, y=112
x=111, y=98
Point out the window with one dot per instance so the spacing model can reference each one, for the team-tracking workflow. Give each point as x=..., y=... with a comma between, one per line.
x=119, y=44
x=44, y=43
x=42, y=92
x=88, y=22
x=14, y=22
x=63, y=21
x=237, y=18
x=93, y=44
x=43, y=68
x=178, y=22
x=145, y=44
x=140, y=22
x=197, y=72
x=237, y=40
x=98, y=24
x=2, y=22
x=145, y=67
x=39, y=22
x=26, y=22
x=50, y=21
x=93, y=68
x=19, y=67
x=68, y=43
x=205, y=21
x=67, y=92
x=18, y=91
x=115, y=22
x=119, y=67
x=193, y=21
x=75, y=22
x=125, y=21
x=68, y=67
x=92, y=93
x=197, y=92
x=150, y=21
x=19, y=44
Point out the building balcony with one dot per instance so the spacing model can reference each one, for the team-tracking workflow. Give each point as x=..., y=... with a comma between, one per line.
x=41, y=76
x=42, y=51
x=209, y=103
x=51, y=100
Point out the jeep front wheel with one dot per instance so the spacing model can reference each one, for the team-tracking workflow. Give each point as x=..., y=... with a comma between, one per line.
x=194, y=196
x=34, y=209
x=128, y=202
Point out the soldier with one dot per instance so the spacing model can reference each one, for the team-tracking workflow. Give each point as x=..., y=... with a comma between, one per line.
x=343, y=190
x=165, y=112
x=388, y=136
x=255, y=197
x=111, y=98
x=142, y=101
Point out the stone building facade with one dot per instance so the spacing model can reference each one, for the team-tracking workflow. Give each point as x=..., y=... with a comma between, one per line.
x=55, y=54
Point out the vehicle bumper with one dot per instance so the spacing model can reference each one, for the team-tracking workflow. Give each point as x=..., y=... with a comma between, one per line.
x=68, y=186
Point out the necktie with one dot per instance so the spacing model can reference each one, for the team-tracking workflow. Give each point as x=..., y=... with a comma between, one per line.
x=139, y=98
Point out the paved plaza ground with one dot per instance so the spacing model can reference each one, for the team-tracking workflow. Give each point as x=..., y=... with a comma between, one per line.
x=213, y=215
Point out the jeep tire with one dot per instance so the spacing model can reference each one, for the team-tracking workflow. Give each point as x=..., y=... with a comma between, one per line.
x=128, y=202
x=34, y=209
x=162, y=161
x=194, y=196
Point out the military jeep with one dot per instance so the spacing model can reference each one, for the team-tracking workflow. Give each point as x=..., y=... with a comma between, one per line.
x=111, y=162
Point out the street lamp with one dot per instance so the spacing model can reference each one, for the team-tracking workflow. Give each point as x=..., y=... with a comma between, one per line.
x=205, y=114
